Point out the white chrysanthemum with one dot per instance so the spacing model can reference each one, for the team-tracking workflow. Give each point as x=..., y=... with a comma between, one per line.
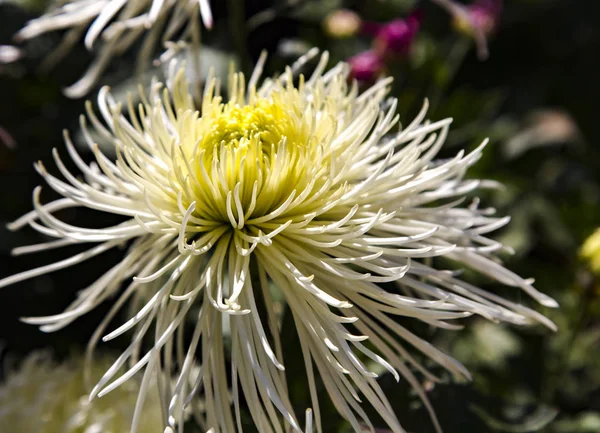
x=113, y=26
x=43, y=396
x=300, y=189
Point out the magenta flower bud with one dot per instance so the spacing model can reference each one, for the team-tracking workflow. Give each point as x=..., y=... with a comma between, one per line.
x=478, y=20
x=396, y=37
x=481, y=16
x=366, y=66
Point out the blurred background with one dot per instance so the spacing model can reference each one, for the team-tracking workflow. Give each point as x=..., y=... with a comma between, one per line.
x=535, y=95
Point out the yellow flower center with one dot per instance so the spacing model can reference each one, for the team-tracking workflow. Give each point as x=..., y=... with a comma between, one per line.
x=264, y=123
x=248, y=159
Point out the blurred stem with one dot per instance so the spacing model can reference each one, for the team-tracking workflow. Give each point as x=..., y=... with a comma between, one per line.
x=239, y=33
x=455, y=59
x=271, y=13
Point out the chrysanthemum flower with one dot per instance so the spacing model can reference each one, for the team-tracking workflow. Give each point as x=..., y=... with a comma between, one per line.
x=299, y=190
x=44, y=396
x=113, y=26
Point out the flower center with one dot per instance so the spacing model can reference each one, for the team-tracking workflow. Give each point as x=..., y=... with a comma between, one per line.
x=266, y=122
x=249, y=158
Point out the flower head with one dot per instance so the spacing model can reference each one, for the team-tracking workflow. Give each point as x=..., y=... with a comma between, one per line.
x=113, y=26
x=477, y=20
x=396, y=37
x=342, y=23
x=300, y=190
x=483, y=15
x=366, y=66
x=43, y=396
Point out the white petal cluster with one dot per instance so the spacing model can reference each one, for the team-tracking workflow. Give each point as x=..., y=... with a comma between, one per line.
x=300, y=191
x=111, y=27
x=44, y=396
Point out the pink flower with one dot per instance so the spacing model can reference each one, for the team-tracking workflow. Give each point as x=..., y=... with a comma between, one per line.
x=478, y=20
x=482, y=15
x=366, y=66
x=394, y=37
